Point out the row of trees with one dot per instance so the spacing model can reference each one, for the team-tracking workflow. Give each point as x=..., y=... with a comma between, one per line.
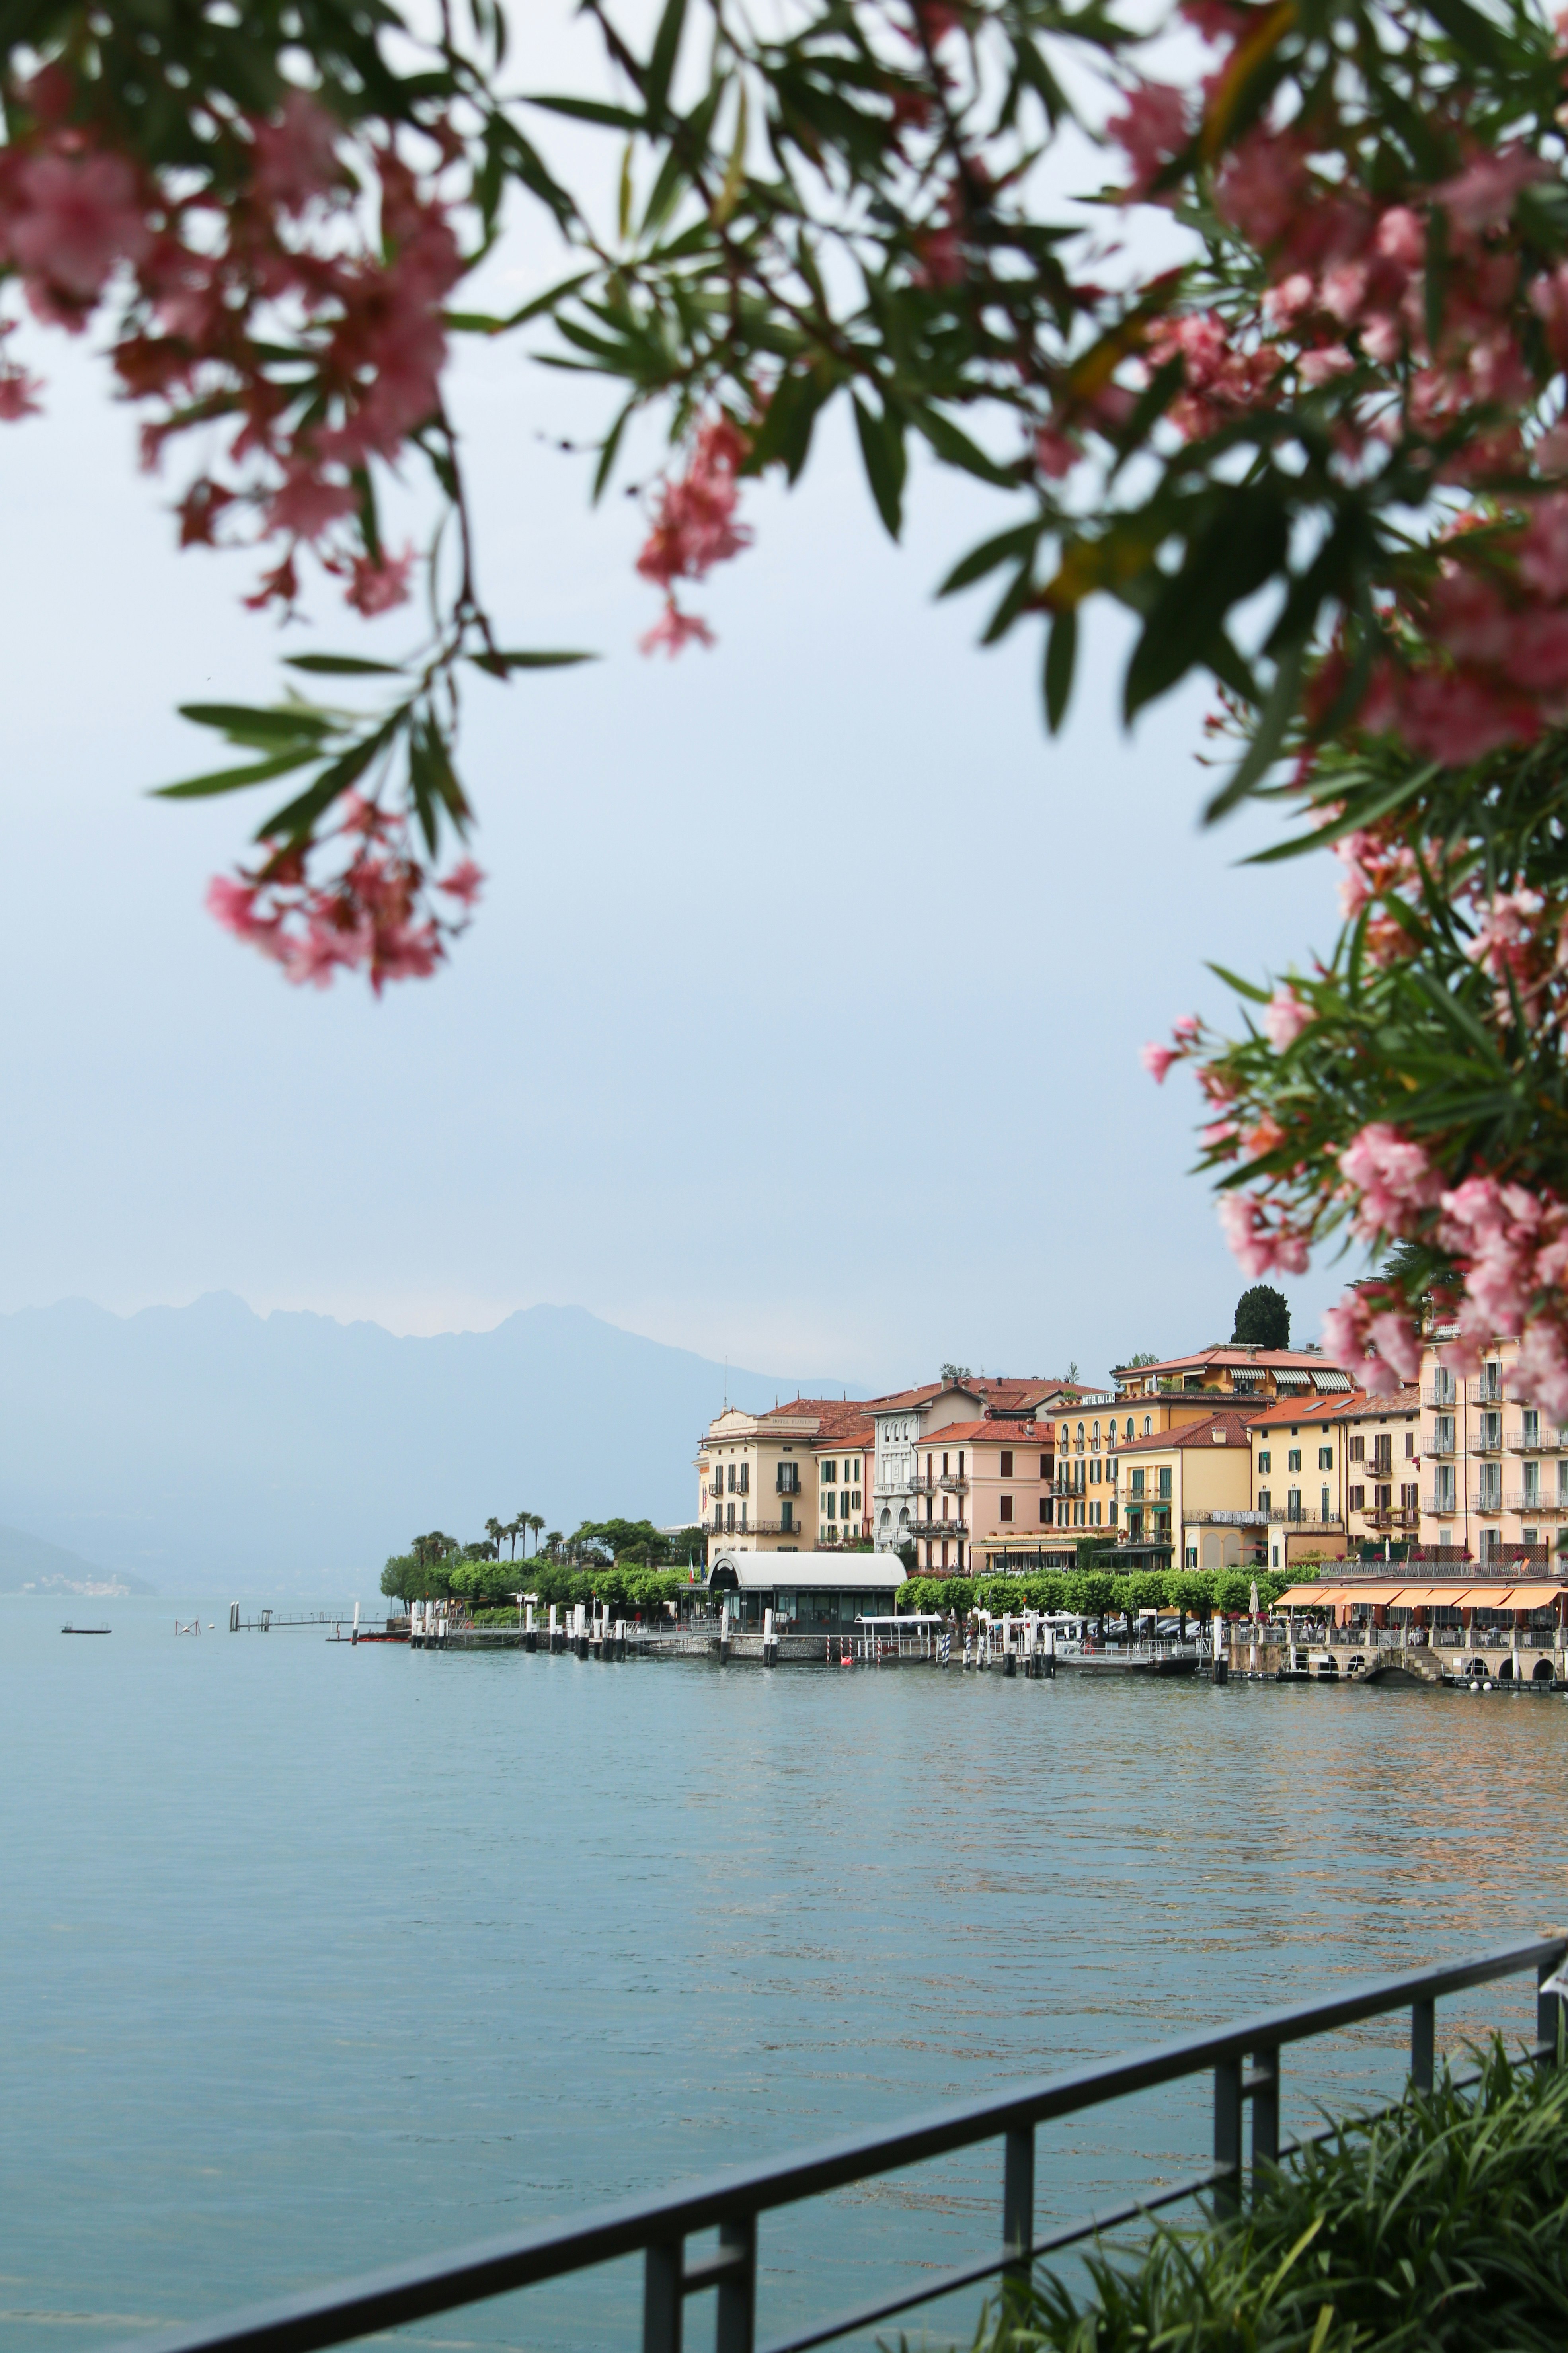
x=595, y=1562
x=1102, y=1592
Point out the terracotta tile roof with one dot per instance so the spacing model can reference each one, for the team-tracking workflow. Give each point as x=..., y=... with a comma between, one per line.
x=1299, y=1359
x=1236, y=1427
x=1354, y=1408
x=858, y=1434
x=982, y=1385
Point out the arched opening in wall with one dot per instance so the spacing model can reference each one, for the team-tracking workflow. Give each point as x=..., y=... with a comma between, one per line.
x=1541, y=1672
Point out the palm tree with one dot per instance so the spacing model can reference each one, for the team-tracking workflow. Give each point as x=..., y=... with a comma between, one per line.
x=536, y=1522
x=495, y=1532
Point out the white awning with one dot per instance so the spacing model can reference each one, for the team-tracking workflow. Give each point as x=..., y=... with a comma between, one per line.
x=810, y=1572
x=1331, y=1379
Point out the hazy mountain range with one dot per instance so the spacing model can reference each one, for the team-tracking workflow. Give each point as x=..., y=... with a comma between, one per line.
x=209, y=1449
x=28, y=1564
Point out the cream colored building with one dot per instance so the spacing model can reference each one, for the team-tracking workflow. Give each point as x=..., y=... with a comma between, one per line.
x=757, y=1473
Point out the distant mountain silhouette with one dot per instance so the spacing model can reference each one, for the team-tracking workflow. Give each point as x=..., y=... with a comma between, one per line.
x=29, y=1565
x=208, y=1448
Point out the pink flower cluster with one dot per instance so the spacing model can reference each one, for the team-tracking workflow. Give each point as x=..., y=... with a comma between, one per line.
x=1262, y=1235
x=325, y=351
x=1508, y=1244
x=1392, y=1178
x=1221, y=376
x=374, y=916
x=694, y=527
x=1381, y=1341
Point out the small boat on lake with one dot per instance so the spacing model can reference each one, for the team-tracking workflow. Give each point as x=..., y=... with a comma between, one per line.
x=86, y=1629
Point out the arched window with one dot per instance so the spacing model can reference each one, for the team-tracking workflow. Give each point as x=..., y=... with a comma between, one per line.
x=1064, y=1435
x=1094, y=1435
x=1129, y=1425
x=1080, y=1433
x=1148, y=1426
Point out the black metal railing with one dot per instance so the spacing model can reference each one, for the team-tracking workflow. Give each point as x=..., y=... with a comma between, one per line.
x=1244, y=2060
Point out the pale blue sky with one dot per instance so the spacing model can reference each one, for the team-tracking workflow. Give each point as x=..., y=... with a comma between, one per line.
x=801, y=1022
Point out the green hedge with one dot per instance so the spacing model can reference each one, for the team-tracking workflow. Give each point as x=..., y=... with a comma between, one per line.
x=1093, y=1593
x=1441, y=2228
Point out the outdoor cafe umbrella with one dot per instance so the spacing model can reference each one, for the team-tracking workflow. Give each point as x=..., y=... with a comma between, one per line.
x=1255, y=1597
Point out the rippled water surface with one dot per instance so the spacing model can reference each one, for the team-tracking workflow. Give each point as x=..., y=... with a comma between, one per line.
x=315, y=1957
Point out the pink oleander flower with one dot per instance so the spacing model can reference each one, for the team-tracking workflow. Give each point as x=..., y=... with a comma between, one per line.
x=1396, y=1340
x=305, y=504
x=1541, y=1371
x=1185, y=1027
x=1284, y=1019
x=1543, y=551
x=1219, y=1132
x=1056, y=452
x=1253, y=1242
x=1484, y=194
x=1150, y=130
x=378, y=588
x=1508, y=933
x=77, y=219
x=1402, y=238
x=1263, y=185
x=464, y=882
x=19, y=393
x=673, y=630
x=694, y=526
x=1157, y=1061
x=296, y=157
x=1395, y=1179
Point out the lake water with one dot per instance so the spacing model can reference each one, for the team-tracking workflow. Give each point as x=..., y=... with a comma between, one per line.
x=315, y=1957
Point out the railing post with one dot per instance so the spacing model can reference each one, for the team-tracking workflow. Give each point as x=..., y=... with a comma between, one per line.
x=737, y=2320
x=661, y=2297
x=1423, y=2044
x=1227, y=2135
x=1265, y=2113
x=1018, y=2199
x=1549, y=2010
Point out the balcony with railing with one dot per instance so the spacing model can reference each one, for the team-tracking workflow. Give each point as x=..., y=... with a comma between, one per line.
x=926, y=1530
x=1539, y=1507
x=1442, y=1505
x=1393, y=1516
x=952, y=1486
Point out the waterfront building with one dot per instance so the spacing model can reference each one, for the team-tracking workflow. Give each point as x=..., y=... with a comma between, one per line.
x=1083, y=1493
x=990, y=1478
x=911, y=1420
x=1253, y=1376
x=1297, y=1503
x=1497, y=1483
x=758, y=1472
x=816, y=1593
x=843, y=1457
x=1380, y=1446
x=1189, y=1488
